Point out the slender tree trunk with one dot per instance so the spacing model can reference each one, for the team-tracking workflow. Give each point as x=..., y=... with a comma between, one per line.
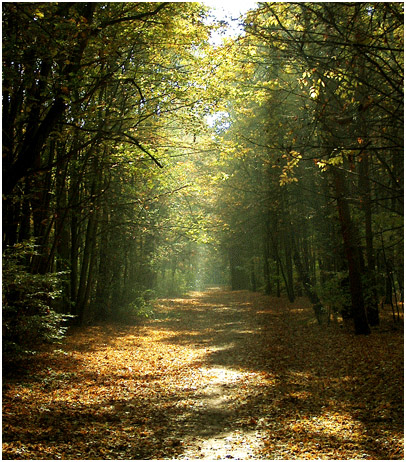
x=307, y=286
x=267, y=272
x=91, y=272
x=42, y=215
x=371, y=298
x=86, y=272
x=86, y=267
x=102, y=296
x=253, y=278
x=24, y=231
x=351, y=247
x=62, y=236
x=11, y=213
x=289, y=268
x=238, y=275
x=278, y=282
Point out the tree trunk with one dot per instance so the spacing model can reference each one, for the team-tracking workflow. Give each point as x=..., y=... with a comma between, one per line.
x=278, y=283
x=238, y=275
x=86, y=272
x=86, y=268
x=267, y=272
x=307, y=286
x=289, y=268
x=253, y=278
x=24, y=231
x=102, y=296
x=352, y=251
x=371, y=297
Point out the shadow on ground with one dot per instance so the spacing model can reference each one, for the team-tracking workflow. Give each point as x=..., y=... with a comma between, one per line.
x=312, y=390
x=216, y=375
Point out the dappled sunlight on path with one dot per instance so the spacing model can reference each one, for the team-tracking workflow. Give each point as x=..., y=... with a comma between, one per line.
x=212, y=421
x=216, y=375
x=291, y=389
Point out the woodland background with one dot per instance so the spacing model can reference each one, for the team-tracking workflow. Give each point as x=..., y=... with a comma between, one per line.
x=141, y=160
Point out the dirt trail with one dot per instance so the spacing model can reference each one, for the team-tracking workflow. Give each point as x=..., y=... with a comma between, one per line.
x=222, y=326
x=216, y=375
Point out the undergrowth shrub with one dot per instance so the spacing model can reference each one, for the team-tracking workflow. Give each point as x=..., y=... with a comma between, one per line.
x=334, y=293
x=29, y=319
x=141, y=306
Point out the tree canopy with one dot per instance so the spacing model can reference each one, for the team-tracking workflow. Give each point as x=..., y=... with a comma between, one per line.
x=140, y=159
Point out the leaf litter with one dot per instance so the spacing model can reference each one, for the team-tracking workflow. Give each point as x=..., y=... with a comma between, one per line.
x=216, y=375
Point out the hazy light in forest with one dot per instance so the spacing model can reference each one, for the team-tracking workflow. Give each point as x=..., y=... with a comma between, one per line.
x=220, y=120
x=201, y=256
x=229, y=13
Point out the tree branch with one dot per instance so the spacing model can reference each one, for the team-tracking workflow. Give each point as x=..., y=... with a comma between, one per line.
x=136, y=17
x=139, y=145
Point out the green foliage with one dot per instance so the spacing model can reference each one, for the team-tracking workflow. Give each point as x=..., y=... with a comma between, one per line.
x=29, y=319
x=140, y=307
x=332, y=293
x=175, y=283
x=125, y=88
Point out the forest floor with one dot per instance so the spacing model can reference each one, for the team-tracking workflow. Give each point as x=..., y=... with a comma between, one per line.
x=216, y=375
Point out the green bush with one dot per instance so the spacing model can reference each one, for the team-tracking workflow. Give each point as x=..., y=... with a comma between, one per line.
x=28, y=317
x=332, y=292
x=140, y=307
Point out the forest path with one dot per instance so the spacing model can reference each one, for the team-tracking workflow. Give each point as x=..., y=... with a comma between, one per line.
x=215, y=375
x=220, y=422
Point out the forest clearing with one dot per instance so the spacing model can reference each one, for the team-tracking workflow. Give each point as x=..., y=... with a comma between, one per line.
x=215, y=375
